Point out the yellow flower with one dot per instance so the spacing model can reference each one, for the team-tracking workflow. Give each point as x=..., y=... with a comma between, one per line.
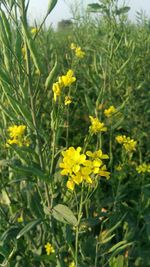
x=72, y=46
x=79, y=169
x=16, y=131
x=34, y=30
x=72, y=161
x=63, y=81
x=97, y=154
x=68, y=79
x=57, y=90
x=72, y=264
x=68, y=100
x=20, y=219
x=142, y=168
x=16, y=134
x=128, y=143
x=96, y=126
x=49, y=248
x=103, y=172
x=118, y=167
x=70, y=184
x=121, y=139
x=111, y=110
x=79, y=53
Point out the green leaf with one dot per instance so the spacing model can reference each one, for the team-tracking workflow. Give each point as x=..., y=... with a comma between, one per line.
x=48, y=258
x=123, y=10
x=63, y=214
x=117, y=261
x=10, y=233
x=29, y=169
x=95, y=7
x=28, y=227
x=4, y=77
x=4, y=252
x=89, y=104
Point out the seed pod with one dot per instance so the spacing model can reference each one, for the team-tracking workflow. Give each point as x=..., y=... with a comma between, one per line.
x=32, y=48
x=51, y=75
x=51, y=5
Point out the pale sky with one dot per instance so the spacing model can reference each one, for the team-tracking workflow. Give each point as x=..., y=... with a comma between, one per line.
x=38, y=8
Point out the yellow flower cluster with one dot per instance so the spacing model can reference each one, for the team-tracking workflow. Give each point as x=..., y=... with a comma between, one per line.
x=78, y=168
x=17, y=136
x=111, y=110
x=96, y=126
x=68, y=100
x=128, y=143
x=78, y=51
x=34, y=30
x=63, y=81
x=118, y=167
x=72, y=264
x=20, y=219
x=142, y=168
x=49, y=249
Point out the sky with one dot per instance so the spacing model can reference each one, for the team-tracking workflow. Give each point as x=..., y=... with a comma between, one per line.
x=38, y=8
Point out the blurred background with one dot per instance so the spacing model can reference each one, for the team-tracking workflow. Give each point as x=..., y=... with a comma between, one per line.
x=63, y=9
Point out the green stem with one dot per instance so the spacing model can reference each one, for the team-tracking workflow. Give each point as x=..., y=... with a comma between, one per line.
x=77, y=228
x=32, y=104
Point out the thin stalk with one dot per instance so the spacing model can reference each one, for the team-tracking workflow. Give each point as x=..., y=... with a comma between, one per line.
x=77, y=228
x=32, y=104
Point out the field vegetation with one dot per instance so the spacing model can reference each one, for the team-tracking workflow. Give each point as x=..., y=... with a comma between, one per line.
x=75, y=138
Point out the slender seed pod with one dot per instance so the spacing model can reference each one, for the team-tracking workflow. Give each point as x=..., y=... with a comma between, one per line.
x=51, y=5
x=51, y=75
x=32, y=48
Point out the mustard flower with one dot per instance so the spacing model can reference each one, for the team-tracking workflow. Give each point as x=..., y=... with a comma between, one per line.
x=68, y=79
x=110, y=111
x=96, y=126
x=34, y=30
x=72, y=46
x=63, y=81
x=72, y=160
x=49, y=249
x=142, y=168
x=97, y=154
x=57, y=87
x=72, y=264
x=79, y=53
x=121, y=139
x=128, y=143
x=17, y=136
x=79, y=169
x=103, y=172
x=68, y=100
x=20, y=219
x=118, y=167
